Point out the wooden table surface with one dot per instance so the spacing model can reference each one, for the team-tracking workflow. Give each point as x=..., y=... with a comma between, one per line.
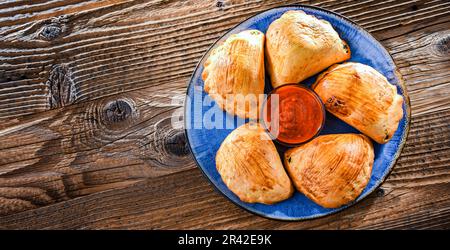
x=86, y=91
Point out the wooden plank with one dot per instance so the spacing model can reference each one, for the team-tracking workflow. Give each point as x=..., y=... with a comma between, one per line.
x=100, y=145
x=193, y=203
x=95, y=164
x=77, y=51
x=138, y=202
x=423, y=59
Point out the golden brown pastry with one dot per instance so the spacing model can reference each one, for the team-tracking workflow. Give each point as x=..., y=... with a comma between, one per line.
x=234, y=70
x=332, y=170
x=250, y=166
x=362, y=97
x=299, y=45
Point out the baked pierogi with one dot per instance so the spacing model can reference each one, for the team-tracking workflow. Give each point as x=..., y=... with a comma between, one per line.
x=331, y=170
x=299, y=45
x=233, y=74
x=251, y=168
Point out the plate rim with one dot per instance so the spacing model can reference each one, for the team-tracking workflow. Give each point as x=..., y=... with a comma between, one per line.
x=377, y=184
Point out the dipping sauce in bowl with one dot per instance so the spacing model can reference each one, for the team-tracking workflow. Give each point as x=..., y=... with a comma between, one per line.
x=293, y=114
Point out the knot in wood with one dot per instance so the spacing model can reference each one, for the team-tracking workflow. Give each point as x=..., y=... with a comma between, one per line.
x=62, y=89
x=53, y=29
x=443, y=45
x=118, y=114
x=166, y=146
x=50, y=32
x=176, y=143
x=380, y=192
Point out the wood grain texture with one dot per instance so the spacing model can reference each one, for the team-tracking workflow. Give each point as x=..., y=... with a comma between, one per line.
x=87, y=90
x=112, y=47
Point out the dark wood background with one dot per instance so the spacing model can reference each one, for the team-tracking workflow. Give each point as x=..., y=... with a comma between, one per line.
x=85, y=107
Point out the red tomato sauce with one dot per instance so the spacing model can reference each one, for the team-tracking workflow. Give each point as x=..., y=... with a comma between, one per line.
x=301, y=114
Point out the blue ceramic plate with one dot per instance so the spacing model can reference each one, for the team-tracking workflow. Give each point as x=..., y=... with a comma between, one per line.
x=204, y=139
